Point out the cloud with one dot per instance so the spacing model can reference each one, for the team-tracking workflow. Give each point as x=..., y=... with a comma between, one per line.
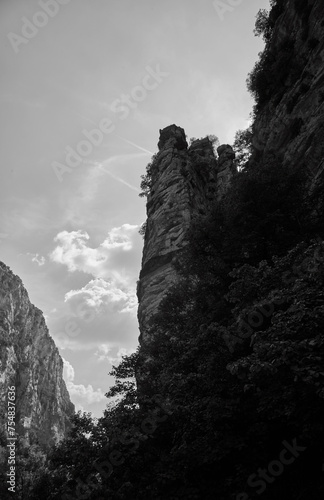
x=102, y=296
x=104, y=309
x=113, y=258
x=100, y=311
x=103, y=353
x=79, y=393
x=39, y=259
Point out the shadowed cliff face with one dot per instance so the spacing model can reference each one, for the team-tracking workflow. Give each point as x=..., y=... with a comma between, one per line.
x=30, y=361
x=184, y=183
x=288, y=131
x=289, y=123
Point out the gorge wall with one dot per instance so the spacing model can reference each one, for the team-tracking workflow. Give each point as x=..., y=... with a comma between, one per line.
x=289, y=117
x=288, y=129
x=184, y=182
x=30, y=361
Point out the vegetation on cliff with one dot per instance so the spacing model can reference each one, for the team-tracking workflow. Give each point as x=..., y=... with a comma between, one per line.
x=230, y=403
x=35, y=402
x=233, y=370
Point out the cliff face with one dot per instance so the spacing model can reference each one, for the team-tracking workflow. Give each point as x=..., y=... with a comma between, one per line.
x=184, y=181
x=30, y=361
x=288, y=128
x=289, y=123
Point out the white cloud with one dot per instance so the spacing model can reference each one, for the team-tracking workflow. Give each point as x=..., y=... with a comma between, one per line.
x=104, y=354
x=39, y=259
x=105, y=308
x=98, y=313
x=102, y=296
x=116, y=257
x=79, y=393
x=68, y=371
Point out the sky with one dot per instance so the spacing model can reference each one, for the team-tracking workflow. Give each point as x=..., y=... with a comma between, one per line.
x=85, y=87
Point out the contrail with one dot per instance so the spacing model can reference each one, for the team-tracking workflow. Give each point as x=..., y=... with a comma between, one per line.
x=135, y=145
x=120, y=137
x=119, y=179
x=122, y=158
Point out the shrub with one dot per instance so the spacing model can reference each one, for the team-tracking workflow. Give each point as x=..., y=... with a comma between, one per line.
x=242, y=147
x=142, y=230
x=146, y=183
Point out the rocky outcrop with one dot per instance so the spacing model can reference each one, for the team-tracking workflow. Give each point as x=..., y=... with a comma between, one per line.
x=184, y=182
x=289, y=124
x=30, y=361
x=288, y=129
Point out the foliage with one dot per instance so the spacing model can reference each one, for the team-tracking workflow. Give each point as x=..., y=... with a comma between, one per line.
x=277, y=64
x=29, y=466
x=217, y=400
x=243, y=147
x=263, y=25
x=265, y=20
x=233, y=362
x=142, y=229
x=146, y=182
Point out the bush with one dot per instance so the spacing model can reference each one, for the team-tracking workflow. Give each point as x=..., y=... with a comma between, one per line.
x=242, y=147
x=143, y=228
x=146, y=183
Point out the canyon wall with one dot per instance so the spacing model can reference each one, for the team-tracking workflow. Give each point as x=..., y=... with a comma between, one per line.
x=288, y=129
x=30, y=361
x=184, y=182
x=289, y=122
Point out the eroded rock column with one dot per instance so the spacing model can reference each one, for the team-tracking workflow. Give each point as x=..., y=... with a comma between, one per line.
x=185, y=182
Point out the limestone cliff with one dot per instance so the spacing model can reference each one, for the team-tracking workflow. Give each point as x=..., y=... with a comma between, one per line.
x=30, y=361
x=184, y=181
x=288, y=128
x=289, y=120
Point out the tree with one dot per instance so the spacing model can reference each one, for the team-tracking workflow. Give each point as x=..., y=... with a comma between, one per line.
x=146, y=183
x=263, y=25
x=243, y=147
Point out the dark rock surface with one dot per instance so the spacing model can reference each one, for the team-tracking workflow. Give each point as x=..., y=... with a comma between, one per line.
x=291, y=123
